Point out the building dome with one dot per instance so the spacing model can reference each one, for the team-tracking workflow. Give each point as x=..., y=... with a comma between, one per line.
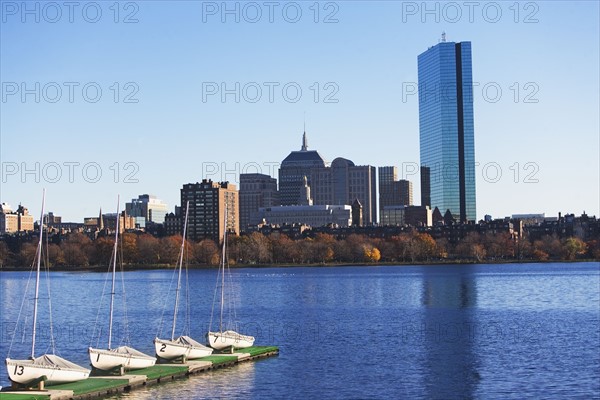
x=341, y=162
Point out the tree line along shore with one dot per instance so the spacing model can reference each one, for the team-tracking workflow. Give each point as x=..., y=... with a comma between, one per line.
x=140, y=251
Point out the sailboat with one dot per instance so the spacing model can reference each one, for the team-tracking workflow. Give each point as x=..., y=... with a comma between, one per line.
x=48, y=368
x=183, y=346
x=229, y=338
x=123, y=356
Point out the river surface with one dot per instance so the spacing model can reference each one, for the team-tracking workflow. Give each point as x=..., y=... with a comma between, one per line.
x=440, y=332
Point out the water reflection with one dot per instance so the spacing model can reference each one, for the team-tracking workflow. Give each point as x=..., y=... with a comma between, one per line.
x=452, y=364
x=227, y=383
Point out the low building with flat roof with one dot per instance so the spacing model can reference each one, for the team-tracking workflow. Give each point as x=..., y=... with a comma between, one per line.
x=406, y=215
x=312, y=215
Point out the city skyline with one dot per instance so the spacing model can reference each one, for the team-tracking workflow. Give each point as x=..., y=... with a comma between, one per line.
x=277, y=167
x=536, y=114
x=311, y=170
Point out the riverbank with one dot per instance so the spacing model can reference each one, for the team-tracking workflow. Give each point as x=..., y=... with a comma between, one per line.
x=150, y=267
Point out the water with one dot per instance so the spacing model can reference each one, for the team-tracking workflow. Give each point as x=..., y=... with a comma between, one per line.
x=443, y=332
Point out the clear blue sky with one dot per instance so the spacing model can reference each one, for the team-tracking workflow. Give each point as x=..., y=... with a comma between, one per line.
x=542, y=56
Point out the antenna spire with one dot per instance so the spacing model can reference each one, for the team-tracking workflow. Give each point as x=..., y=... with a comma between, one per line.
x=443, y=36
x=304, y=140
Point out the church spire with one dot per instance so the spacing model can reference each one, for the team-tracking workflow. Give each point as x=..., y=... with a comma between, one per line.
x=100, y=220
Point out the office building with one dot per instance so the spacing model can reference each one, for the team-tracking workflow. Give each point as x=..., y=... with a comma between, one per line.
x=392, y=216
x=173, y=222
x=146, y=208
x=446, y=127
x=208, y=201
x=338, y=184
x=406, y=215
x=402, y=191
x=15, y=221
x=256, y=191
x=296, y=166
x=306, y=213
x=343, y=183
x=311, y=215
x=393, y=192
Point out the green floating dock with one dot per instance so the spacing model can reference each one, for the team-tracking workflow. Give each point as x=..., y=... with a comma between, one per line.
x=98, y=387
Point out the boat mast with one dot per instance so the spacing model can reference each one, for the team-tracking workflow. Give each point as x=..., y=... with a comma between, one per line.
x=37, y=276
x=187, y=208
x=224, y=255
x=114, y=271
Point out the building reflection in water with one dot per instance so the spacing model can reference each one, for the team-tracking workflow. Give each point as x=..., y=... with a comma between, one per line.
x=449, y=298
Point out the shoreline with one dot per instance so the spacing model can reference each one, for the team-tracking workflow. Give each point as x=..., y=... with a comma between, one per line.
x=144, y=267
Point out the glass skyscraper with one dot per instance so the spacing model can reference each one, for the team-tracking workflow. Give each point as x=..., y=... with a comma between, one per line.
x=446, y=127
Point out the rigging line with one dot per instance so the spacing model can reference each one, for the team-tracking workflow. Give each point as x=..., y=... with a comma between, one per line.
x=165, y=300
x=14, y=335
x=177, y=290
x=100, y=307
x=224, y=261
x=232, y=299
x=114, y=268
x=37, y=275
x=179, y=267
x=23, y=331
x=212, y=311
x=47, y=270
x=127, y=337
x=227, y=288
x=188, y=322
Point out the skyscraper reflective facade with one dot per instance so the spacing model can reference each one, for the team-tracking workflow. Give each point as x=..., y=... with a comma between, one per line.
x=446, y=127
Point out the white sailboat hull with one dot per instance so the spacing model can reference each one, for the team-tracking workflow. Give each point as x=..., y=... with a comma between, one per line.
x=169, y=350
x=196, y=352
x=123, y=356
x=222, y=340
x=54, y=368
x=183, y=346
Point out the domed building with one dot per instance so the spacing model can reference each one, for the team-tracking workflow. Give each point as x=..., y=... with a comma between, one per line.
x=343, y=183
x=296, y=166
x=336, y=185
